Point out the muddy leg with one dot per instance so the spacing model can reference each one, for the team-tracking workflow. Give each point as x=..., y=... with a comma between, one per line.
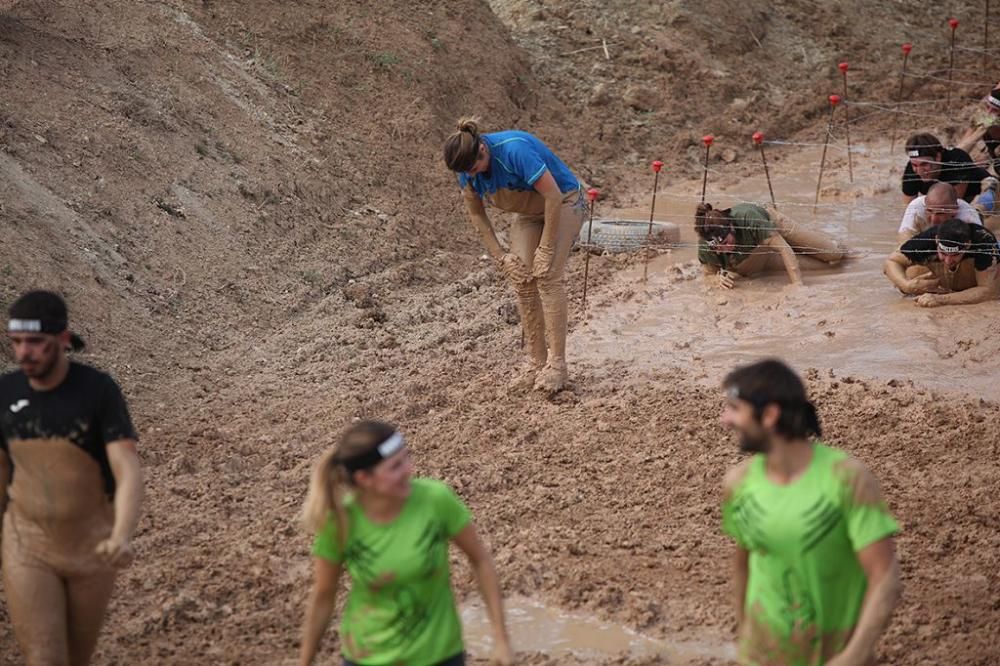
x=552, y=289
x=87, y=599
x=815, y=244
x=36, y=601
x=525, y=234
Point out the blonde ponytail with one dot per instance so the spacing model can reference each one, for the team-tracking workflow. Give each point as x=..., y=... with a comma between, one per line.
x=325, y=498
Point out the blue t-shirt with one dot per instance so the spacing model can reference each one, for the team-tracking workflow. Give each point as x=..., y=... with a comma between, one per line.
x=517, y=161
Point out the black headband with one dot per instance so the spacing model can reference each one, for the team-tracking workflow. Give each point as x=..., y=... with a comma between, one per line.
x=392, y=445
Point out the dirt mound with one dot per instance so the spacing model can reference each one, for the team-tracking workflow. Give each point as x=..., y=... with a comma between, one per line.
x=648, y=81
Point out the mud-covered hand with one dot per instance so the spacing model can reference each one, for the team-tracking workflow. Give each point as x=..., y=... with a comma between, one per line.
x=513, y=268
x=928, y=300
x=726, y=279
x=116, y=551
x=542, y=262
x=502, y=654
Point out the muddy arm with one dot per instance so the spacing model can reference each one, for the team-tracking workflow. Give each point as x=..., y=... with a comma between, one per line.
x=477, y=214
x=124, y=461
x=489, y=587
x=319, y=608
x=884, y=590
x=788, y=257
x=895, y=267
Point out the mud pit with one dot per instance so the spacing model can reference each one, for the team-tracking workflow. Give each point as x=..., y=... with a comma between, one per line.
x=849, y=319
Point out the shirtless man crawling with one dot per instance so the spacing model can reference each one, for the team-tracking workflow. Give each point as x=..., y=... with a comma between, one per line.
x=955, y=263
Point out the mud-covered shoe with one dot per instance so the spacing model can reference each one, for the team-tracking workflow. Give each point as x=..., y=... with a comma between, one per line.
x=524, y=376
x=552, y=377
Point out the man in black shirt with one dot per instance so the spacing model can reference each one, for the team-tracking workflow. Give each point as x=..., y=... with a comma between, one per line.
x=70, y=486
x=956, y=263
x=930, y=162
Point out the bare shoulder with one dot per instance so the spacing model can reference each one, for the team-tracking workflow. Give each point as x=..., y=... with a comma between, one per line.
x=734, y=477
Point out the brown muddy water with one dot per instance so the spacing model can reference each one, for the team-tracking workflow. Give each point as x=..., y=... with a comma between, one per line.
x=849, y=319
x=535, y=627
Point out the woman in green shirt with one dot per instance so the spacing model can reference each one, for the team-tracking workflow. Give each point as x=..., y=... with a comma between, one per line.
x=390, y=532
x=748, y=239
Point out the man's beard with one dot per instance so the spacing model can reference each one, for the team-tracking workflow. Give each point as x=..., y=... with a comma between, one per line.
x=41, y=369
x=757, y=443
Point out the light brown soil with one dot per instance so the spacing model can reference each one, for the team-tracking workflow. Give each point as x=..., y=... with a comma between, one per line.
x=245, y=207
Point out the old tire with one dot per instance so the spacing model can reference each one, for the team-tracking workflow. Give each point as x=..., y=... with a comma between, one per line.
x=628, y=235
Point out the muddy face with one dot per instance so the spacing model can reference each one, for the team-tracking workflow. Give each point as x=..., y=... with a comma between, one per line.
x=926, y=168
x=389, y=478
x=738, y=416
x=37, y=354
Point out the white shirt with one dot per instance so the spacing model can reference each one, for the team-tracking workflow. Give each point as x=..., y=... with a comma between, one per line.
x=915, y=217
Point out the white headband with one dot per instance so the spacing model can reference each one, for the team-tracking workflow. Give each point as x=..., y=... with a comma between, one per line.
x=24, y=326
x=391, y=445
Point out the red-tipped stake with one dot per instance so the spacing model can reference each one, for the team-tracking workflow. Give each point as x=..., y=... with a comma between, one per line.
x=758, y=140
x=834, y=101
x=707, y=140
x=953, y=23
x=847, y=122
x=657, y=167
x=591, y=197
x=907, y=47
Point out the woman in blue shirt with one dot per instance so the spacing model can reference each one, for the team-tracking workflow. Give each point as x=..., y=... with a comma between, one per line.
x=517, y=173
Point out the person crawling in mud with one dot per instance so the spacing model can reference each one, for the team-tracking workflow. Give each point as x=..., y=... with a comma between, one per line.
x=985, y=128
x=929, y=162
x=71, y=485
x=515, y=172
x=748, y=240
x=940, y=204
x=955, y=263
x=815, y=569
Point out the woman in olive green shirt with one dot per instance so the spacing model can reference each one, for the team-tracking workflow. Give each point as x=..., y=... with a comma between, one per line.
x=748, y=239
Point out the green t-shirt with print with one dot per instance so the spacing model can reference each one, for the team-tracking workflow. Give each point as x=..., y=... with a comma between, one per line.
x=805, y=587
x=751, y=227
x=400, y=609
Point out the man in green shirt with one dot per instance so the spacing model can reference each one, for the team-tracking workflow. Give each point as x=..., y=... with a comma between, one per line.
x=815, y=568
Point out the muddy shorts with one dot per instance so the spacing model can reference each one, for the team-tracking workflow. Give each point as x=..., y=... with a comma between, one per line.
x=56, y=589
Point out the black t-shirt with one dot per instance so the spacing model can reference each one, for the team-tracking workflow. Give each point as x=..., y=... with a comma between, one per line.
x=87, y=410
x=922, y=248
x=956, y=167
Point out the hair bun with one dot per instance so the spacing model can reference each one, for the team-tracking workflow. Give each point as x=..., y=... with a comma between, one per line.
x=470, y=125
